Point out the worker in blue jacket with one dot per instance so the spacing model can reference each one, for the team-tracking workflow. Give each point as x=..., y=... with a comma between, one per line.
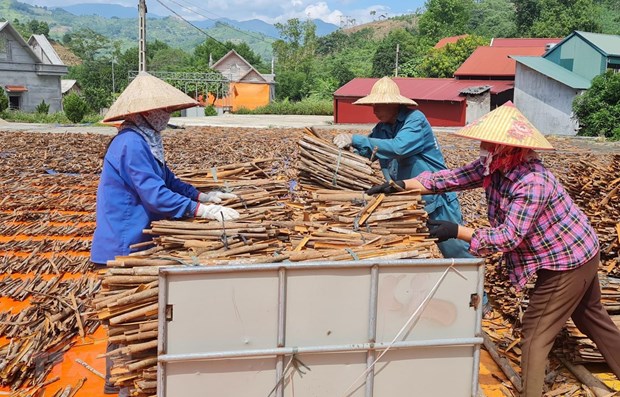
x=136, y=186
x=406, y=146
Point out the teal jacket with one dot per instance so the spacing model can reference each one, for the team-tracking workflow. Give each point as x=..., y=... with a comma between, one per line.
x=405, y=149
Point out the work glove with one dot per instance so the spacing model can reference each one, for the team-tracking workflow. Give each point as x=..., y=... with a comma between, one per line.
x=442, y=230
x=215, y=212
x=343, y=140
x=386, y=188
x=215, y=196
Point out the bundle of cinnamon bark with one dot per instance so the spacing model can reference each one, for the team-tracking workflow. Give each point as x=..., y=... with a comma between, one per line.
x=324, y=164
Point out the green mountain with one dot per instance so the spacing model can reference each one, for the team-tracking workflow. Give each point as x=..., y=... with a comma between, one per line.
x=170, y=30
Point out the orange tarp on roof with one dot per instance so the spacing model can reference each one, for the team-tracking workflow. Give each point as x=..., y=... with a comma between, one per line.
x=495, y=61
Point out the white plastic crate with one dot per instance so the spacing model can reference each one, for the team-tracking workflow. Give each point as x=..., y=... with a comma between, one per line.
x=317, y=328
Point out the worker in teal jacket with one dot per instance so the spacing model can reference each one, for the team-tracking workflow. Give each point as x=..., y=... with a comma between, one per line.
x=405, y=146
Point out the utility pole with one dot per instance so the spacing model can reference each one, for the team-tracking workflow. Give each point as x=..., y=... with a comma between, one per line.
x=142, y=35
x=113, y=82
x=396, y=65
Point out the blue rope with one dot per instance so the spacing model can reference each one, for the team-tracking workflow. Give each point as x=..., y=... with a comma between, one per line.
x=353, y=254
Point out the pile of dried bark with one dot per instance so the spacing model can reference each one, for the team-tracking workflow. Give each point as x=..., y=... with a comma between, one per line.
x=40, y=228
x=323, y=164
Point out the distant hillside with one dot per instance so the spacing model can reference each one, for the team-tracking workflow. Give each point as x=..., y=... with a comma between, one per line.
x=119, y=24
x=104, y=10
x=381, y=28
x=67, y=57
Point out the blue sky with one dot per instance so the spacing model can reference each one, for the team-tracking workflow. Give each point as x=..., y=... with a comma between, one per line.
x=338, y=12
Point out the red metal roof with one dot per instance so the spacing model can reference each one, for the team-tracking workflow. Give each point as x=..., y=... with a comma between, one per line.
x=494, y=61
x=423, y=89
x=447, y=40
x=15, y=88
x=524, y=42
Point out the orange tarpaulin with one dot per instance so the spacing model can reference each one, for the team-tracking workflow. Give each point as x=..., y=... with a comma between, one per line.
x=244, y=95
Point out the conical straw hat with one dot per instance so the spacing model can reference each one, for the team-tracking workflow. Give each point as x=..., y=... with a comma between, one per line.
x=385, y=90
x=506, y=125
x=147, y=92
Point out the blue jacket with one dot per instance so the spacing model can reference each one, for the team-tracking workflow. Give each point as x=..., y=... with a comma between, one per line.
x=410, y=142
x=134, y=190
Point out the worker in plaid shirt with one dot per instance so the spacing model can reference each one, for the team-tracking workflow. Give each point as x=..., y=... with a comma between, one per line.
x=539, y=229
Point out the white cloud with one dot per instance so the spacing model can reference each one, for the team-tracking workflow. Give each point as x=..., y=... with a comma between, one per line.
x=321, y=11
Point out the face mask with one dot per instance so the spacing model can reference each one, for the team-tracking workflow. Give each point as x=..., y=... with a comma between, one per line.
x=486, y=158
x=158, y=119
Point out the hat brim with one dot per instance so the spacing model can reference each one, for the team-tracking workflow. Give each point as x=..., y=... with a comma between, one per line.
x=506, y=125
x=392, y=99
x=146, y=93
x=138, y=110
x=549, y=148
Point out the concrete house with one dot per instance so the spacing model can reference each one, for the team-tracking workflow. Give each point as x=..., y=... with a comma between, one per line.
x=30, y=72
x=248, y=87
x=546, y=86
x=493, y=62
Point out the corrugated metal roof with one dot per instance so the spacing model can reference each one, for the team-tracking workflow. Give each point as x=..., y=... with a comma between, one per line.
x=424, y=89
x=524, y=42
x=554, y=71
x=47, y=49
x=65, y=85
x=494, y=61
x=609, y=44
x=449, y=40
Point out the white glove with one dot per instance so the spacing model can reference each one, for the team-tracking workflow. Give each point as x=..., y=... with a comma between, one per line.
x=343, y=140
x=215, y=212
x=215, y=197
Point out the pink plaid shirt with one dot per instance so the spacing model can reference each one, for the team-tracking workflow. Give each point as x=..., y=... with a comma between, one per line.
x=534, y=222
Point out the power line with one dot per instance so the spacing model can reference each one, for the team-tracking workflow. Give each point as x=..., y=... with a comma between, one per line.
x=192, y=10
x=196, y=27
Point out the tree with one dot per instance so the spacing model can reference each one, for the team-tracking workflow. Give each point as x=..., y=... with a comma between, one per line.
x=409, y=47
x=291, y=84
x=39, y=27
x=558, y=18
x=598, y=109
x=75, y=107
x=297, y=47
x=86, y=43
x=443, y=62
x=526, y=13
x=332, y=43
x=31, y=27
x=444, y=18
x=493, y=18
x=295, y=56
x=169, y=59
x=4, y=101
x=214, y=49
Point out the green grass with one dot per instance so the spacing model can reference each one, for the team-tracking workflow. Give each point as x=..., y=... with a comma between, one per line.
x=320, y=107
x=53, y=118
